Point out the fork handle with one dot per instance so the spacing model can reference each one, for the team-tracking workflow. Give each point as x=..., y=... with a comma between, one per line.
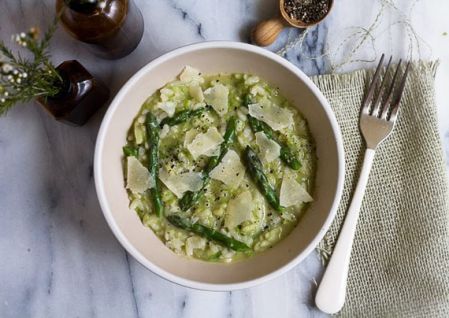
x=331, y=293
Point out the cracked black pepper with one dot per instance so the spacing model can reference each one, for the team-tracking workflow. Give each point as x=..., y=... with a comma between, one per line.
x=306, y=11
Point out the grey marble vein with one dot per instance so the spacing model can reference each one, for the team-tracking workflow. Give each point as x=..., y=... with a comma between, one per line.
x=186, y=16
x=131, y=280
x=309, y=58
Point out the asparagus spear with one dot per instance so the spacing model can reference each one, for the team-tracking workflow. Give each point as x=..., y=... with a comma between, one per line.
x=286, y=155
x=152, y=129
x=190, y=198
x=258, y=125
x=182, y=116
x=289, y=157
x=208, y=233
x=255, y=169
x=130, y=151
x=228, y=139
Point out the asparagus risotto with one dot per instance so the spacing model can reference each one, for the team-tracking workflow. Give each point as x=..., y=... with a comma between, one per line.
x=219, y=166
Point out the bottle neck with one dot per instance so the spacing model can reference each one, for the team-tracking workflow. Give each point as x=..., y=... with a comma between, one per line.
x=82, y=6
x=66, y=87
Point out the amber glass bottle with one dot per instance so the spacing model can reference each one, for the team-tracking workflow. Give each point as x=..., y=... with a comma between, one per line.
x=112, y=28
x=81, y=95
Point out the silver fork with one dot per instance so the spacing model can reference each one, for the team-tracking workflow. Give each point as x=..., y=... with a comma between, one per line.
x=377, y=118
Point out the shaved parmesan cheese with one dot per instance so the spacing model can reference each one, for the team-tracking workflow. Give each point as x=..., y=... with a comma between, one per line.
x=269, y=149
x=230, y=170
x=213, y=152
x=194, y=242
x=257, y=90
x=205, y=143
x=165, y=94
x=198, y=105
x=191, y=75
x=196, y=92
x=274, y=116
x=168, y=107
x=292, y=193
x=164, y=131
x=179, y=184
x=217, y=97
x=239, y=210
x=139, y=133
x=189, y=136
x=251, y=80
x=138, y=177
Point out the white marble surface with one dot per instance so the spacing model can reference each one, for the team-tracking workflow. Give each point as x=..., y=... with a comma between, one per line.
x=58, y=258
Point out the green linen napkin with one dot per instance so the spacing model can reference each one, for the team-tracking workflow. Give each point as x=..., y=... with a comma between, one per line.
x=400, y=258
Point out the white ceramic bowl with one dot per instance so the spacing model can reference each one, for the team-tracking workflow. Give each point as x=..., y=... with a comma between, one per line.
x=214, y=57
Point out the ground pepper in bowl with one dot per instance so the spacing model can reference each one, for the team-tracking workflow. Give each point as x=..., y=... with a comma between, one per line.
x=307, y=11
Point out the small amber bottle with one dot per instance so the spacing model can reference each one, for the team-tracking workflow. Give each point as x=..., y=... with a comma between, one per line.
x=112, y=28
x=81, y=95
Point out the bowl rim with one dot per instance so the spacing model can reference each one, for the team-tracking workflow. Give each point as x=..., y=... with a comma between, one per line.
x=105, y=124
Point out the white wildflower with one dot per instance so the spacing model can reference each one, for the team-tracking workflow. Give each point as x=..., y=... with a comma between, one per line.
x=20, y=39
x=6, y=68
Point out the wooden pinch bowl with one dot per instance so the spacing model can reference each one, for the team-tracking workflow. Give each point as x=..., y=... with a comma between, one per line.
x=266, y=32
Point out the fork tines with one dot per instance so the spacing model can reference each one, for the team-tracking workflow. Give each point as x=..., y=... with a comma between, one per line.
x=383, y=105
